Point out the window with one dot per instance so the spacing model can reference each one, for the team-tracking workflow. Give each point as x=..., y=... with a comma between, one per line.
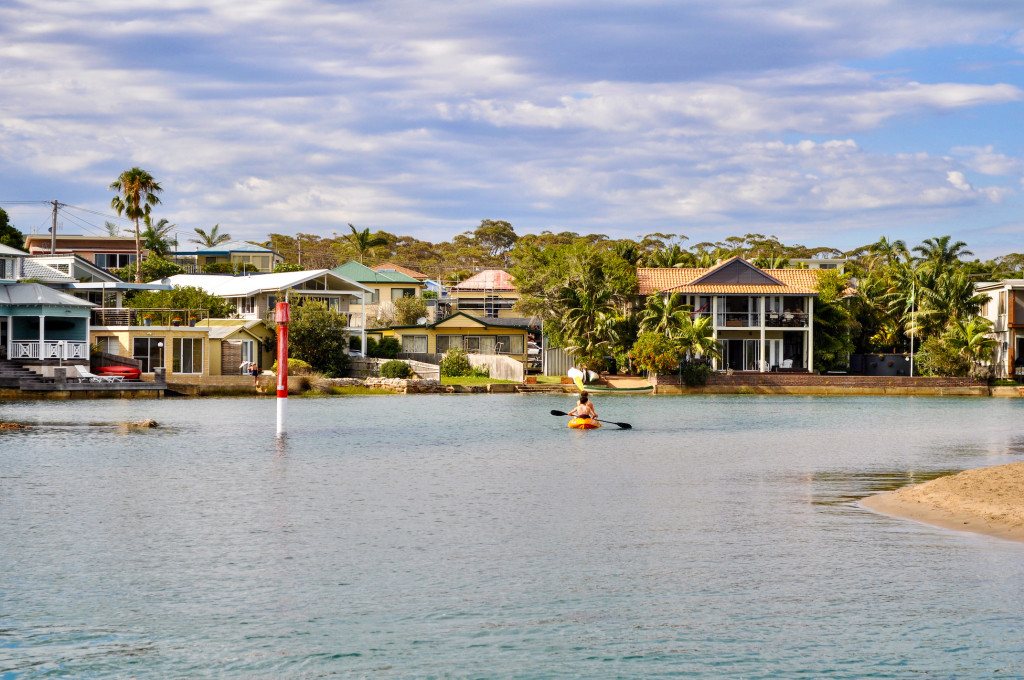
x=414, y=344
x=6, y=268
x=188, y=355
x=447, y=342
x=113, y=260
x=484, y=344
x=109, y=344
x=247, y=305
x=399, y=293
x=149, y=352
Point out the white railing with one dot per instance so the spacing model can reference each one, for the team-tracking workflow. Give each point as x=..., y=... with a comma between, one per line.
x=52, y=349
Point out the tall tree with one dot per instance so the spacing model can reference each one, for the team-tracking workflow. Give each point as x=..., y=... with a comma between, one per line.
x=113, y=229
x=136, y=195
x=9, y=236
x=214, y=238
x=364, y=242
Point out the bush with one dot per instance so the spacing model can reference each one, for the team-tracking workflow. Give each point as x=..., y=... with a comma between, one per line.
x=229, y=268
x=395, y=369
x=387, y=348
x=695, y=373
x=480, y=372
x=936, y=357
x=295, y=367
x=455, y=364
x=654, y=353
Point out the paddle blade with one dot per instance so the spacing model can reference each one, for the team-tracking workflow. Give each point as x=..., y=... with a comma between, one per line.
x=625, y=426
x=558, y=413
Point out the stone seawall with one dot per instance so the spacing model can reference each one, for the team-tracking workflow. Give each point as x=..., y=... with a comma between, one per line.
x=808, y=383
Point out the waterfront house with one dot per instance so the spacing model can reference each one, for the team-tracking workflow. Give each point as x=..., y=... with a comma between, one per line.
x=38, y=323
x=1005, y=310
x=475, y=335
x=386, y=286
x=190, y=354
x=392, y=267
x=764, y=318
x=238, y=254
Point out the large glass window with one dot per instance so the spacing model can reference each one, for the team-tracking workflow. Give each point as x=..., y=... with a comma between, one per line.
x=399, y=293
x=447, y=342
x=149, y=353
x=109, y=344
x=188, y=355
x=113, y=260
x=414, y=343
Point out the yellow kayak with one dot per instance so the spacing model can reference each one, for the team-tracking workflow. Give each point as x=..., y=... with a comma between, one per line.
x=584, y=424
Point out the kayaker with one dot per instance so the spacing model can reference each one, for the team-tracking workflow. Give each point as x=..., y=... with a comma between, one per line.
x=584, y=407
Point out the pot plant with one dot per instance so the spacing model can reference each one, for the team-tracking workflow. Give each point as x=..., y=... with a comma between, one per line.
x=147, y=319
x=176, y=321
x=192, y=320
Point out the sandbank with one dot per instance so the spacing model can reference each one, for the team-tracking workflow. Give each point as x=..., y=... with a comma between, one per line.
x=986, y=501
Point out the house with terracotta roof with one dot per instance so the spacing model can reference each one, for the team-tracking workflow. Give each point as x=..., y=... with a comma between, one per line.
x=490, y=293
x=764, y=318
x=392, y=267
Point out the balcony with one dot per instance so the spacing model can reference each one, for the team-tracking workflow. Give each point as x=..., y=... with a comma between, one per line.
x=130, y=316
x=786, y=320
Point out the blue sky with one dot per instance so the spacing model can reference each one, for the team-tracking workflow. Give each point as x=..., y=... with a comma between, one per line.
x=824, y=123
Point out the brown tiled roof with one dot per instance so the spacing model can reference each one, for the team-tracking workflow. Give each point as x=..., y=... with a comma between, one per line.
x=400, y=269
x=489, y=279
x=679, y=280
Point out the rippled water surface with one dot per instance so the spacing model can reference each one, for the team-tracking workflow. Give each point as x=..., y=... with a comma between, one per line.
x=475, y=536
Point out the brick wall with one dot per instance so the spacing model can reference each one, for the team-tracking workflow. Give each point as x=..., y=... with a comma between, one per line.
x=814, y=380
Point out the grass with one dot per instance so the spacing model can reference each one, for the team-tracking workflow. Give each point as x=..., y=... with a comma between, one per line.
x=473, y=380
x=549, y=380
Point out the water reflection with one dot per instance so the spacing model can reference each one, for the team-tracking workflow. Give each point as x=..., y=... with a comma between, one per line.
x=479, y=537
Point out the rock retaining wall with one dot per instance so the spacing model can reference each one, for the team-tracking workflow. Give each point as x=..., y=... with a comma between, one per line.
x=809, y=383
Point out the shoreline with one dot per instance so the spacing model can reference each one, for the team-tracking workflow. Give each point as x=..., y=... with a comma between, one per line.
x=988, y=501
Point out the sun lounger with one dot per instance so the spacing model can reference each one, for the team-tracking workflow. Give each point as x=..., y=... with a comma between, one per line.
x=85, y=376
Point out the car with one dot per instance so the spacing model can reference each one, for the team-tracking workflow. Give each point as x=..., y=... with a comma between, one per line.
x=532, y=348
x=355, y=354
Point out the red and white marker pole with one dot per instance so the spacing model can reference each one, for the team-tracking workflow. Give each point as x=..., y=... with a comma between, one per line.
x=282, y=316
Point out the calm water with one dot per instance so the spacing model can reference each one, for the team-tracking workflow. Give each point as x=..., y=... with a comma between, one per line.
x=475, y=536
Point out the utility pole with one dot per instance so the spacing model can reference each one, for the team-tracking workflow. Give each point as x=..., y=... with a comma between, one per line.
x=299, y=241
x=53, y=231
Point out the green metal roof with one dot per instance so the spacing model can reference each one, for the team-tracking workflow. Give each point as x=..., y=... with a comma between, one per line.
x=363, y=274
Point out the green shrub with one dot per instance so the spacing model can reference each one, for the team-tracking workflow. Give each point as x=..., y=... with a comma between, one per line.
x=395, y=369
x=480, y=372
x=695, y=373
x=387, y=348
x=455, y=364
x=295, y=367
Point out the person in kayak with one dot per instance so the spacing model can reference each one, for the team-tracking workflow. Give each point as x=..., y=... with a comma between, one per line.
x=584, y=407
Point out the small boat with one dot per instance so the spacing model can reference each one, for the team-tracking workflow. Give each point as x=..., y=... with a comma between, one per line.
x=584, y=424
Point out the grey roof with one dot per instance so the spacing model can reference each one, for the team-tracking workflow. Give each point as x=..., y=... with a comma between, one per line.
x=228, y=247
x=32, y=294
x=38, y=270
x=7, y=250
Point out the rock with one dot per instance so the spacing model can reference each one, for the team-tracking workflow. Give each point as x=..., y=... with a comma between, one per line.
x=14, y=426
x=142, y=424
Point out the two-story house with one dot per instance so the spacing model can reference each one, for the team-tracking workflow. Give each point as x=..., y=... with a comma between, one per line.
x=764, y=318
x=1005, y=309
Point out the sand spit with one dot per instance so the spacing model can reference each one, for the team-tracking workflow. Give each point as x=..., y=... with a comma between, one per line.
x=987, y=501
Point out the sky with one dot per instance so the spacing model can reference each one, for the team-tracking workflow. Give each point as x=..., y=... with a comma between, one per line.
x=826, y=123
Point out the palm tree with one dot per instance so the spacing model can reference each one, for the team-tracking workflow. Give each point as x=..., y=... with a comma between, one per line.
x=136, y=195
x=696, y=338
x=158, y=236
x=364, y=242
x=212, y=239
x=939, y=254
x=665, y=314
x=112, y=228
x=970, y=339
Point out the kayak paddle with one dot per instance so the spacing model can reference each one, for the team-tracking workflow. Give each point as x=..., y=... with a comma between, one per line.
x=624, y=426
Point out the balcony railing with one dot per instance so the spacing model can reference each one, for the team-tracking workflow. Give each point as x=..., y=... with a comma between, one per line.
x=51, y=349
x=738, y=319
x=130, y=316
x=786, y=319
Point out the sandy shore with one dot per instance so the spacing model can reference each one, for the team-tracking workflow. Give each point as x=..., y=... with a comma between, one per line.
x=987, y=501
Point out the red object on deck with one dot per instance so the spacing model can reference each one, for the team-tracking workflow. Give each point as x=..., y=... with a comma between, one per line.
x=129, y=372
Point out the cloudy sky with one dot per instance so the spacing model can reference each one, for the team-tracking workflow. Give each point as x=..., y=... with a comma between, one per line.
x=830, y=122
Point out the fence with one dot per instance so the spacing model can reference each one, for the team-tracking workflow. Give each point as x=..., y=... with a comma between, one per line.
x=499, y=367
x=371, y=367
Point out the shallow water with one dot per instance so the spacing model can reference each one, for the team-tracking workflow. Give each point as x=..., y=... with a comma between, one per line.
x=476, y=536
